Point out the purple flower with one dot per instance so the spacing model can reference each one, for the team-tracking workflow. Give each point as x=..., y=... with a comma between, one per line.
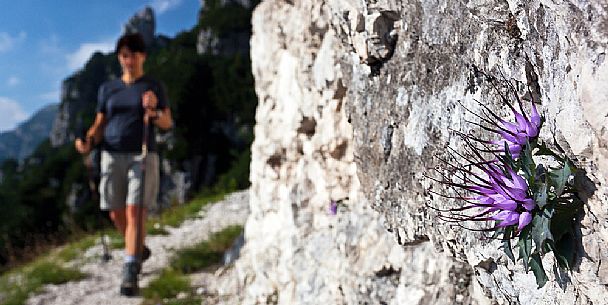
x=516, y=135
x=504, y=197
x=513, y=135
x=508, y=218
x=333, y=208
x=491, y=188
x=498, y=193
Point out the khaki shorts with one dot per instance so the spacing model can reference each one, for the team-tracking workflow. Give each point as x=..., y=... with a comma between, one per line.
x=121, y=180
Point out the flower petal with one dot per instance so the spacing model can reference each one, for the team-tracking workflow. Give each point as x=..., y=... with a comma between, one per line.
x=509, y=126
x=508, y=204
x=522, y=122
x=482, y=189
x=333, y=208
x=528, y=204
x=524, y=219
x=506, y=218
x=508, y=136
x=535, y=118
x=518, y=181
x=514, y=148
x=485, y=200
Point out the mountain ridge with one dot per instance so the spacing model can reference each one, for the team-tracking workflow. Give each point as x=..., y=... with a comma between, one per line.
x=20, y=142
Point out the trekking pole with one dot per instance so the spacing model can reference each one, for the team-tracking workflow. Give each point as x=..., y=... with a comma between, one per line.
x=106, y=256
x=142, y=193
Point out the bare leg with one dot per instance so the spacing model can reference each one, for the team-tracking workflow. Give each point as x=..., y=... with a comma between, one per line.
x=131, y=229
x=119, y=218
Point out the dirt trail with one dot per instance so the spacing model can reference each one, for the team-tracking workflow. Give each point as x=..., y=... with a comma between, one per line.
x=101, y=286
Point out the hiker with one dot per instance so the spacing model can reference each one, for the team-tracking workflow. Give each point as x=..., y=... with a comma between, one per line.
x=125, y=105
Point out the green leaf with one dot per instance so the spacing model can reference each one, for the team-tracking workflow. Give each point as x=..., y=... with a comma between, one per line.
x=506, y=243
x=559, y=178
x=536, y=264
x=540, y=196
x=527, y=163
x=507, y=157
x=540, y=177
x=540, y=173
x=525, y=246
x=541, y=228
x=498, y=232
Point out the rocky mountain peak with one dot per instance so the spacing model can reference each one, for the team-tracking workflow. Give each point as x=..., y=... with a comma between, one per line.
x=142, y=22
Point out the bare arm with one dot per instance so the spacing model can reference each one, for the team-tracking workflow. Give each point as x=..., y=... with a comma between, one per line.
x=94, y=135
x=161, y=118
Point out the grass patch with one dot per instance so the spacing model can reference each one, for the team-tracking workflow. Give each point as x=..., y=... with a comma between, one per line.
x=49, y=272
x=207, y=253
x=75, y=249
x=166, y=288
x=17, y=285
x=173, y=280
x=168, y=285
x=117, y=241
x=176, y=215
x=157, y=229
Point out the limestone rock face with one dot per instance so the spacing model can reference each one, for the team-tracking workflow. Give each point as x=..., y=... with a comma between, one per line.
x=403, y=108
x=296, y=251
x=355, y=99
x=142, y=22
x=79, y=96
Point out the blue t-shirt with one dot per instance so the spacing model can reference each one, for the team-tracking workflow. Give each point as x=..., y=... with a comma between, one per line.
x=122, y=106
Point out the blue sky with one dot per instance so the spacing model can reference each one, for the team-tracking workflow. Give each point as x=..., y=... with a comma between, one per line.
x=42, y=42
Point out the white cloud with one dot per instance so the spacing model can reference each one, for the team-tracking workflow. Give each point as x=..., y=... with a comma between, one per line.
x=79, y=57
x=13, y=81
x=161, y=6
x=7, y=42
x=11, y=114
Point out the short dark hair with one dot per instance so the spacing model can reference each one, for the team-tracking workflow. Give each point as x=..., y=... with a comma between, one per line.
x=133, y=41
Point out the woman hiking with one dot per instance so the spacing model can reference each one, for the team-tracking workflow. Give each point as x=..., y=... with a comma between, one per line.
x=125, y=107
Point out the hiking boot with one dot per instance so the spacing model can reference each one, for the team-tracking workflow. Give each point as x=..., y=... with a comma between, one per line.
x=145, y=254
x=129, y=286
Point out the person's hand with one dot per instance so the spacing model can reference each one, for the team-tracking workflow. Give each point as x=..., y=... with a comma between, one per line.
x=82, y=147
x=149, y=100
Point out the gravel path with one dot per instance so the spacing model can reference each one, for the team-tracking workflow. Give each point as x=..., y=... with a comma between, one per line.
x=101, y=286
